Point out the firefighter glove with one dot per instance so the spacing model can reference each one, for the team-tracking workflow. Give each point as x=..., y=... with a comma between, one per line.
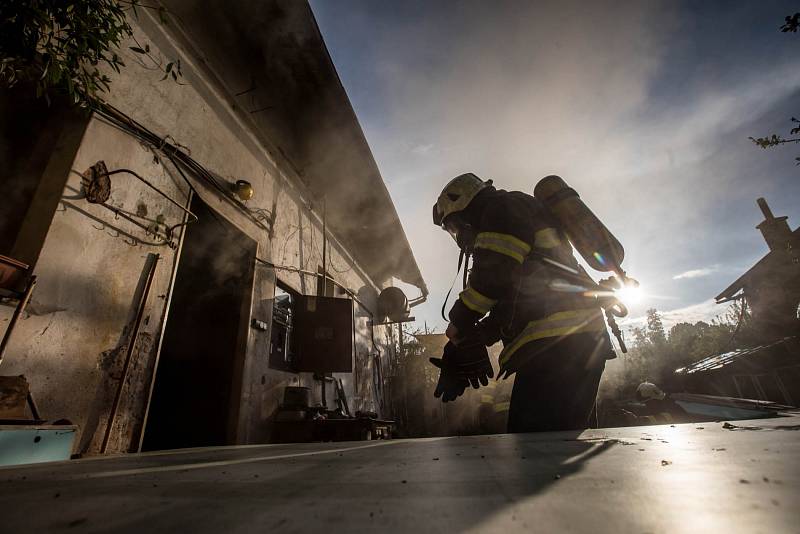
x=449, y=387
x=468, y=361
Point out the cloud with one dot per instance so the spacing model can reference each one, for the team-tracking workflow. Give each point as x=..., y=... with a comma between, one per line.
x=611, y=96
x=423, y=149
x=695, y=273
x=549, y=96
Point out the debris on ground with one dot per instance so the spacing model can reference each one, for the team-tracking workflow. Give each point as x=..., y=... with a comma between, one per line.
x=728, y=426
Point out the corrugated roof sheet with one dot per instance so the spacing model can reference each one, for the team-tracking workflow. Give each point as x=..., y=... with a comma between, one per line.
x=718, y=361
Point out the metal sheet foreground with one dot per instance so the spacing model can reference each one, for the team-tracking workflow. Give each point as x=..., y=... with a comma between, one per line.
x=29, y=444
x=688, y=478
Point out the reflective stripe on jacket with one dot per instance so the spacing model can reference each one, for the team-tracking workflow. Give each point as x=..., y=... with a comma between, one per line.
x=476, y=302
x=508, y=226
x=556, y=325
x=495, y=403
x=508, y=278
x=506, y=244
x=500, y=407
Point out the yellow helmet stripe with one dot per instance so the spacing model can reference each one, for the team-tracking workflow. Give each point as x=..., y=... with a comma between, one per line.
x=504, y=244
x=476, y=302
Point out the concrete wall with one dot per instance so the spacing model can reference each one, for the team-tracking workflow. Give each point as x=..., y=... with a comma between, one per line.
x=74, y=338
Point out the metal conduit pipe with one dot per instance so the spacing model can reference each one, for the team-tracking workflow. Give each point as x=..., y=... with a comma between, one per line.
x=152, y=261
x=160, y=192
x=172, y=150
x=312, y=273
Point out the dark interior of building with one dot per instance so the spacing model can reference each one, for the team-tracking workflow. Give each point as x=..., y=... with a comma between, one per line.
x=195, y=390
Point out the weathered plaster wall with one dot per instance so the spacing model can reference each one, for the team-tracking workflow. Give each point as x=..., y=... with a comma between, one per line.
x=76, y=333
x=72, y=342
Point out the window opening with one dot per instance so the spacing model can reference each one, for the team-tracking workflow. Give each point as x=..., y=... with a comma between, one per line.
x=281, y=349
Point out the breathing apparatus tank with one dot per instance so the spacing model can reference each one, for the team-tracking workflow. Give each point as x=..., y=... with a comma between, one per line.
x=595, y=243
x=590, y=237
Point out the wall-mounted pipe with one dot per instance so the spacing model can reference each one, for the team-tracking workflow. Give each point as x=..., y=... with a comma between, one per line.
x=178, y=157
x=152, y=261
x=419, y=300
x=160, y=192
x=23, y=302
x=324, y=248
x=167, y=308
x=312, y=273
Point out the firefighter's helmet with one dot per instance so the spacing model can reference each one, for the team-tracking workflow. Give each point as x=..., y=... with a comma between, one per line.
x=648, y=390
x=457, y=195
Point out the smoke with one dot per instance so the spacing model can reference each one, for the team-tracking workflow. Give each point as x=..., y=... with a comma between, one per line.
x=512, y=93
x=643, y=107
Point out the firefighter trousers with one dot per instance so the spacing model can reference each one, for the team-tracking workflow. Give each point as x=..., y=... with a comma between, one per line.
x=557, y=388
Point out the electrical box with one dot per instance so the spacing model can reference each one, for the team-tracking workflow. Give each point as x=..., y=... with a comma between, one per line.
x=280, y=340
x=323, y=335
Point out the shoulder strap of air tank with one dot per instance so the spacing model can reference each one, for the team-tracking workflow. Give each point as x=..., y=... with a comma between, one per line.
x=467, y=256
x=447, y=297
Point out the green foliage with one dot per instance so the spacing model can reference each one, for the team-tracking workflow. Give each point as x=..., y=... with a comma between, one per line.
x=655, y=328
x=791, y=25
x=64, y=45
x=410, y=361
x=776, y=140
x=655, y=355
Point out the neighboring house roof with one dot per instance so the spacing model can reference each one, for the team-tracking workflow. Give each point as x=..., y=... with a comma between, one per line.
x=756, y=271
x=763, y=268
x=270, y=60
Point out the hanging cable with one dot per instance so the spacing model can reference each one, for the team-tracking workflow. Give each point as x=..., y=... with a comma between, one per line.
x=298, y=270
x=179, y=157
x=461, y=255
x=170, y=229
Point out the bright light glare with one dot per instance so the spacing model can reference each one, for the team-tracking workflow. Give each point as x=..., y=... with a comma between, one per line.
x=629, y=295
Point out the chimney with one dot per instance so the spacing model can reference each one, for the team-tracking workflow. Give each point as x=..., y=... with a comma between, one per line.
x=775, y=230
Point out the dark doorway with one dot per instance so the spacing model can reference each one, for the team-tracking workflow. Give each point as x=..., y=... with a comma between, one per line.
x=198, y=381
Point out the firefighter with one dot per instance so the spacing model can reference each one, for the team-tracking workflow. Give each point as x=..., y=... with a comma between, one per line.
x=493, y=409
x=526, y=289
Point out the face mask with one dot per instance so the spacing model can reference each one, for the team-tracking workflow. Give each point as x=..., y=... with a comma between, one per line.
x=462, y=233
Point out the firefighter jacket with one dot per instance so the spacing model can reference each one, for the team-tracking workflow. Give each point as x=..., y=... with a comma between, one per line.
x=531, y=303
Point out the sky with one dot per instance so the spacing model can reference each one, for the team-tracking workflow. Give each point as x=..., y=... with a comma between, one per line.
x=644, y=108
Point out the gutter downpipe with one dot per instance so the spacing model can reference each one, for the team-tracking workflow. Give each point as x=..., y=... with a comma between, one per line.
x=419, y=300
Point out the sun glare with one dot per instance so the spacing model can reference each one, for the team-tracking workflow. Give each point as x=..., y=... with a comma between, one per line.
x=629, y=295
